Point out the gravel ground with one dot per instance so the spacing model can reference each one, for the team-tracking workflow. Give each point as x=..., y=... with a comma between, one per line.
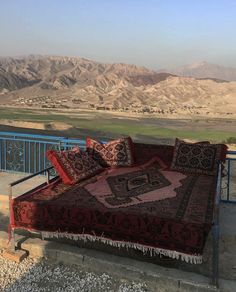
x=41, y=275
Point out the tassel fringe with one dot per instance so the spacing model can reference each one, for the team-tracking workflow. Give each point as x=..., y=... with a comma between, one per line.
x=153, y=251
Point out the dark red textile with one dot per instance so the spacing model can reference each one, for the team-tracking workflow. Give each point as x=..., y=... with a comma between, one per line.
x=118, y=152
x=180, y=223
x=73, y=165
x=144, y=152
x=201, y=158
x=134, y=185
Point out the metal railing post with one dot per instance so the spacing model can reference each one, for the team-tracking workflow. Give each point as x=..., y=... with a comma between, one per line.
x=48, y=176
x=228, y=178
x=12, y=235
x=216, y=230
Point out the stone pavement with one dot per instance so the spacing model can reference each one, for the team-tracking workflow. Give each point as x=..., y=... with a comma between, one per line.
x=45, y=276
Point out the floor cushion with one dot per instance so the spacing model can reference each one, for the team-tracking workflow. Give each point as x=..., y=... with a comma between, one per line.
x=199, y=158
x=73, y=165
x=118, y=152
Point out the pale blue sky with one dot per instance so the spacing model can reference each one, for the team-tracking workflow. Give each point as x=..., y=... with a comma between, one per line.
x=154, y=33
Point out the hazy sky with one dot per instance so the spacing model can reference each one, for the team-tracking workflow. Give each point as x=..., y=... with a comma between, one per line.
x=154, y=33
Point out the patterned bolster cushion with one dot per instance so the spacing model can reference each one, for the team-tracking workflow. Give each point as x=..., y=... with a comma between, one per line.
x=118, y=152
x=73, y=165
x=200, y=158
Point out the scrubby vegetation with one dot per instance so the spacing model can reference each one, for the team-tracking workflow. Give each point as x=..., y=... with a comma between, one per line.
x=230, y=140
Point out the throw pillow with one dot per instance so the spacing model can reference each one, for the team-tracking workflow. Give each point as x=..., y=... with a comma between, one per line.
x=118, y=152
x=73, y=165
x=201, y=158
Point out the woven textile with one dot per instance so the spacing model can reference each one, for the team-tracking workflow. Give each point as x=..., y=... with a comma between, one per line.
x=129, y=186
x=199, y=158
x=173, y=226
x=73, y=165
x=118, y=152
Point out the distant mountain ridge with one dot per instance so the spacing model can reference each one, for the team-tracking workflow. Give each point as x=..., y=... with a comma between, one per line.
x=59, y=70
x=78, y=83
x=206, y=70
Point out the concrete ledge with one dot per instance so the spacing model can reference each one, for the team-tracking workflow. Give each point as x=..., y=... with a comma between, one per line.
x=156, y=277
x=91, y=260
x=15, y=255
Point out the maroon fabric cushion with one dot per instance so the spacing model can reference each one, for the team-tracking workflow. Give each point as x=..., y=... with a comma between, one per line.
x=73, y=165
x=201, y=158
x=144, y=152
x=118, y=152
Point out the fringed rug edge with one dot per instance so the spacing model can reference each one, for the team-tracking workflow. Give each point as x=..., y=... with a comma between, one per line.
x=153, y=251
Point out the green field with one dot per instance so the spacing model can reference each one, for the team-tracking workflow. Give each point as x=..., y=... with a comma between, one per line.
x=217, y=130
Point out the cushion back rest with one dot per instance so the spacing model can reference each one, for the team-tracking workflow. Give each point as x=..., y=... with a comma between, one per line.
x=144, y=152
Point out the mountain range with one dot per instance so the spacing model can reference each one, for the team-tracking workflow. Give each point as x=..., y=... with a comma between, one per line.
x=78, y=83
x=206, y=70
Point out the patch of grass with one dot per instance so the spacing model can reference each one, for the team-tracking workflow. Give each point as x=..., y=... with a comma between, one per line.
x=109, y=124
x=230, y=140
x=149, y=130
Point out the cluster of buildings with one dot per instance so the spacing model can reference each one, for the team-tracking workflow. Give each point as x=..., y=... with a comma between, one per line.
x=42, y=101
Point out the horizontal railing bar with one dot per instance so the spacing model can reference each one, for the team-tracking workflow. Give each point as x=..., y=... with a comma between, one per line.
x=45, y=141
x=30, y=140
x=30, y=176
x=30, y=135
x=231, y=152
x=228, y=201
x=8, y=135
x=73, y=141
x=63, y=143
x=230, y=158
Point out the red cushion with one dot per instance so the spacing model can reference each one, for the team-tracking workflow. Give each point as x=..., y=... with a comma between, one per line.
x=201, y=158
x=118, y=152
x=73, y=165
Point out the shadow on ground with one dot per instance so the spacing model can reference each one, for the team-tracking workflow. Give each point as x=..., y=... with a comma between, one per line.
x=4, y=220
x=50, y=275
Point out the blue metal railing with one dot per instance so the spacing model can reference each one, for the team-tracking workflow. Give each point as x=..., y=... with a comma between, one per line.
x=230, y=176
x=27, y=153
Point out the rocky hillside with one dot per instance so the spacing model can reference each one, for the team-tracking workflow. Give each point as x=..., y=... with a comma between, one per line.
x=206, y=70
x=60, y=72
x=65, y=82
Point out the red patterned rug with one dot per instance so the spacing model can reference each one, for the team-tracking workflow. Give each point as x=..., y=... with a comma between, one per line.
x=173, y=223
x=127, y=186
